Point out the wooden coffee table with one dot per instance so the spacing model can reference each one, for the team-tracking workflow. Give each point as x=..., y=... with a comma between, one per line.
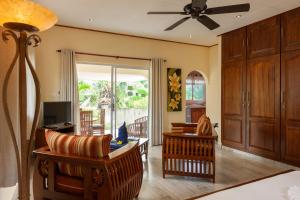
x=143, y=144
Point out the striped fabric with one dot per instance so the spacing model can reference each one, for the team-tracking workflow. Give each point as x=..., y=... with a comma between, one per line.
x=88, y=146
x=204, y=126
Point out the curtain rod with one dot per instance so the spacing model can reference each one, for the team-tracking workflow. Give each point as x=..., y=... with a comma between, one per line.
x=110, y=56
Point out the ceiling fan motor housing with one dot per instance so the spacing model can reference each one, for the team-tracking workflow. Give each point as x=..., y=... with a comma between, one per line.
x=194, y=11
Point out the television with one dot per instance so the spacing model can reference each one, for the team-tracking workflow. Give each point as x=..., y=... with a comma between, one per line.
x=57, y=112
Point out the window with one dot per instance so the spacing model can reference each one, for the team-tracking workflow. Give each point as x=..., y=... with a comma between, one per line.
x=195, y=97
x=195, y=88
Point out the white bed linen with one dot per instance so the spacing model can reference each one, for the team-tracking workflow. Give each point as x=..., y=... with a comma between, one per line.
x=273, y=188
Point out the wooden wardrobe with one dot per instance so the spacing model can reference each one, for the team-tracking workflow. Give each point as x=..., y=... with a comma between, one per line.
x=261, y=88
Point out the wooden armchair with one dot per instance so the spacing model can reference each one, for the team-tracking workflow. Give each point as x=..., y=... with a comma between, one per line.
x=139, y=128
x=99, y=124
x=188, y=154
x=118, y=176
x=86, y=122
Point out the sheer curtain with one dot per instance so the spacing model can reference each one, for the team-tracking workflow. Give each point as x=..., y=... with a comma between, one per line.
x=157, y=68
x=69, y=84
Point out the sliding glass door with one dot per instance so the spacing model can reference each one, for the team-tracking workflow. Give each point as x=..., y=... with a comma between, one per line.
x=115, y=95
x=131, y=92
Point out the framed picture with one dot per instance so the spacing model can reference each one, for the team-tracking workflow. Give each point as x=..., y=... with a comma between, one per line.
x=174, y=90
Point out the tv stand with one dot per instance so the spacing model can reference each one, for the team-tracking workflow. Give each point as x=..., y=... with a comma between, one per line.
x=40, y=140
x=61, y=127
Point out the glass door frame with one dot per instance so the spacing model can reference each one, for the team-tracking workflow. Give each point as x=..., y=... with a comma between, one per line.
x=113, y=109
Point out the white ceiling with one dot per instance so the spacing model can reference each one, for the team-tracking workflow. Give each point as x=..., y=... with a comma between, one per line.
x=129, y=17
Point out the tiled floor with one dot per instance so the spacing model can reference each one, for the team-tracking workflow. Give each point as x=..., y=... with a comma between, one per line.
x=232, y=167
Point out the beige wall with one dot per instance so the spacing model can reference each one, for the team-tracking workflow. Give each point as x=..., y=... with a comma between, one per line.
x=187, y=57
x=213, y=103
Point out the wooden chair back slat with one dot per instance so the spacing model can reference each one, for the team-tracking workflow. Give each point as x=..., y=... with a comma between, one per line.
x=188, y=155
x=86, y=122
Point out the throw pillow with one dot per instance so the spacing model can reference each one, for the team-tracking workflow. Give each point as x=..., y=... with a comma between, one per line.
x=204, y=126
x=122, y=135
x=87, y=146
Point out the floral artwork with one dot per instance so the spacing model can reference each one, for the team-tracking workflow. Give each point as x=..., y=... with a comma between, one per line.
x=174, y=90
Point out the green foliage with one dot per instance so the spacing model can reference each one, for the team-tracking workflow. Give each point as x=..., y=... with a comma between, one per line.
x=198, y=94
x=92, y=93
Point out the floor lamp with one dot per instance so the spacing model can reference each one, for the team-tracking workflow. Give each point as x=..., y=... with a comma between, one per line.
x=21, y=17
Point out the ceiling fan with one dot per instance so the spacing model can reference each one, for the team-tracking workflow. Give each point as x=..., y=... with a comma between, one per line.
x=198, y=10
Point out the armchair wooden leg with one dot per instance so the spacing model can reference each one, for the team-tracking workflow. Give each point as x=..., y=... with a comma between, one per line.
x=137, y=196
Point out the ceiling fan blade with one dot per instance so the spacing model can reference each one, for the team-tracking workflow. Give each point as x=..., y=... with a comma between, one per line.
x=208, y=22
x=198, y=4
x=177, y=24
x=166, y=13
x=228, y=9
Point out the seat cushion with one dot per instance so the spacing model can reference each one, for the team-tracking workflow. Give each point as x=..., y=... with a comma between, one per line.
x=204, y=126
x=87, y=146
x=69, y=184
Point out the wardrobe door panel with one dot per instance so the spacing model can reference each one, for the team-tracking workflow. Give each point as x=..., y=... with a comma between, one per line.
x=234, y=45
x=290, y=110
x=263, y=38
x=235, y=128
x=290, y=30
x=262, y=136
x=263, y=98
x=292, y=144
x=233, y=82
x=233, y=104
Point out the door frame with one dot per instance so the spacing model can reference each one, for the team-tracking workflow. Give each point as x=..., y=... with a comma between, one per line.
x=113, y=109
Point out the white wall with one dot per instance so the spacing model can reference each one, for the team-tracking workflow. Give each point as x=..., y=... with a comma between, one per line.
x=187, y=57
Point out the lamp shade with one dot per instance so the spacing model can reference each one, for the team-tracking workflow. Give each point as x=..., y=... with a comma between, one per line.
x=25, y=15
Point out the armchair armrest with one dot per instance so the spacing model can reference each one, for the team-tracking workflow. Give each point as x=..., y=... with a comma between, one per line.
x=176, y=124
x=189, y=135
x=45, y=153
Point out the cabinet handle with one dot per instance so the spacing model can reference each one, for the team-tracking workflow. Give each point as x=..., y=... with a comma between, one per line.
x=283, y=99
x=243, y=98
x=248, y=99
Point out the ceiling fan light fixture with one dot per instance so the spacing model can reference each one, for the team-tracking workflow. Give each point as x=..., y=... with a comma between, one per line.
x=238, y=16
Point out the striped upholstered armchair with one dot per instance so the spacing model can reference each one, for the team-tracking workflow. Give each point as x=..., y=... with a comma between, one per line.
x=81, y=167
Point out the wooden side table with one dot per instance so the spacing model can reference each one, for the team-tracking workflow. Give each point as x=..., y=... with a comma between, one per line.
x=40, y=140
x=143, y=144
